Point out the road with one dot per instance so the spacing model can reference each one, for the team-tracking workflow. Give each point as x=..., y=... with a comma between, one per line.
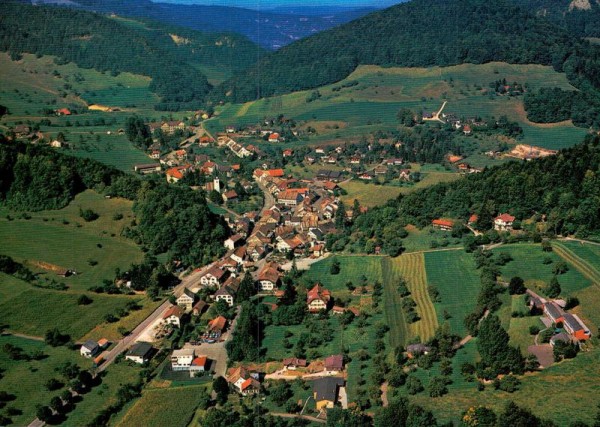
x=269, y=200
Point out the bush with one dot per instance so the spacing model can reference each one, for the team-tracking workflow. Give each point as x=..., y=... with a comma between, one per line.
x=413, y=385
x=534, y=330
x=88, y=215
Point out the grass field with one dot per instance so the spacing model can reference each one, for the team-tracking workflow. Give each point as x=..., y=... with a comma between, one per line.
x=26, y=379
x=453, y=274
x=64, y=239
x=169, y=407
x=563, y=393
x=399, y=330
x=412, y=268
x=528, y=264
x=380, y=92
x=33, y=311
x=421, y=239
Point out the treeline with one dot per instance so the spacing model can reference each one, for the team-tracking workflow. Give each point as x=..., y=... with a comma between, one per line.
x=417, y=33
x=94, y=41
x=562, y=190
x=168, y=219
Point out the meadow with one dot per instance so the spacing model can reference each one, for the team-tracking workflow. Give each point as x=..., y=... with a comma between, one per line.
x=25, y=379
x=173, y=407
x=453, y=273
x=375, y=94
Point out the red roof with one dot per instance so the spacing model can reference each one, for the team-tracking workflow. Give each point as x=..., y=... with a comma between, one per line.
x=443, y=223
x=173, y=311
x=318, y=292
x=275, y=173
x=218, y=324
x=231, y=194
x=175, y=173
x=273, y=136
x=64, y=112
x=467, y=128
x=334, y=363
x=199, y=361
x=473, y=218
x=505, y=217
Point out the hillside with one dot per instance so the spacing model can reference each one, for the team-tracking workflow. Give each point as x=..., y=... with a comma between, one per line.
x=418, y=33
x=580, y=17
x=172, y=57
x=270, y=29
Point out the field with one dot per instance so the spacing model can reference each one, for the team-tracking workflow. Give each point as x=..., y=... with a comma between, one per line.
x=528, y=264
x=33, y=311
x=62, y=238
x=169, y=407
x=378, y=93
x=453, y=273
x=412, y=268
x=421, y=239
x=25, y=379
x=563, y=393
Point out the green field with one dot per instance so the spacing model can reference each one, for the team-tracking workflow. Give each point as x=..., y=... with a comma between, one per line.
x=33, y=311
x=170, y=407
x=62, y=238
x=528, y=264
x=412, y=268
x=453, y=273
x=399, y=331
x=373, y=102
x=26, y=379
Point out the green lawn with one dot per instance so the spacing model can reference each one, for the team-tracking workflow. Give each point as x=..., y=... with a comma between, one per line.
x=25, y=379
x=169, y=407
x=65, y=240
x=528, y=264
x=453, y=274
x=33, y=311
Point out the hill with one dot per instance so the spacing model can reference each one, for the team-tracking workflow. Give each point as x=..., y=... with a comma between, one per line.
x=418, y=33
x=580, y=17
x=270, y=29
x=172, y=57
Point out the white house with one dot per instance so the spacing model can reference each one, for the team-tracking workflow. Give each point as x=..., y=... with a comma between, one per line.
x=186, y=299
x=233, y=241
x=213, y=277
x=181, y=360
x=504, y=222
x=140, y=352
x=226, y=294
x=173, y=316
x=89, y=348
x=268, y=278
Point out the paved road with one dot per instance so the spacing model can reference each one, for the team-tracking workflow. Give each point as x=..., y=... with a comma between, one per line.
x=269, y=200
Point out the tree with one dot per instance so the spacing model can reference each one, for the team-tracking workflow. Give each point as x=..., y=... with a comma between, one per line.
x=53, y=384
x=516, y=286
x=335, y=267
x=406, y=117
x=340, y=216
x=247, y=288
x=480, y=416
x=554, y=288
x=43, y=413
x=413, y=385
x=560, y=267
x=56, y=404
x=221, y=389
x=55, y=338
x=514, y=415
x=281, y=392
x=84, y=300
x=215, y=197
x=437, y=387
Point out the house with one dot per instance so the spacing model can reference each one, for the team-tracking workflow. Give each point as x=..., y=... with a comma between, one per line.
x=318, y=250
x=63, y=112
x=140, y=352
x=181, y=360
x=176, y=173
x=338, y=310
x=473, y=220
x=214, y=277
x=288, y=153
x=186, y=299
x=289, y=198
x=155, y=154
x=89, y=348
x=467, y=130
x=443, y=224
x=171, y=127
x=405, y=175
x=22, y=130
x=268, y=277
x=230, y=195
x=366, y=176
x=199, y=308
x=316, y=234
x=227, y=293
x=293, y=363
x=574, y=326
x=413, y=350
x=317, y=298
x=173, y=316
x=217, y=325
x=326, y=391
x=56, y=144
x=199, y=364
x=504, y=222
x=381, y=170
x=554, y=312
x=334, y=363
x=145, y=169
x=274, y=137
x=234, y=241
x=239, y=255
x=243, y=382
x=562, y=337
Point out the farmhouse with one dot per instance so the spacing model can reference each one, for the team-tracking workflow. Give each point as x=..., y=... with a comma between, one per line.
x=227, y=292
x=230, y=195
x=326, y=391
x=443, y=224
x=289, y=198
x=293, y=363
x=214, y=277
x=243, y=382
x=268, y=277
x=140, y=352
x=234, y=241
x=171, y=127
x=173, y=316
x=176, y=173
x=504, y=222
x=574, y=326
x=89, y=348
x=181, y=360
x=317, y=299
x=199, y=308
x=334, y=363
x=145, y=169
x=186, y=299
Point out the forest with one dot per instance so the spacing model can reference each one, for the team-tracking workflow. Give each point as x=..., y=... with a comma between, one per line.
x=562, y=192
x=168, y=219
x=96, y=41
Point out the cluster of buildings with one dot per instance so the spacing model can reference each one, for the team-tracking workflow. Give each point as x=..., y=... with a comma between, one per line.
x=503, y=222
x=574, y=328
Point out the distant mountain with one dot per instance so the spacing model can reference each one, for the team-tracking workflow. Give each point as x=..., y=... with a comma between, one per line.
x=173, y=57
x=269, y=29
x=417, y=33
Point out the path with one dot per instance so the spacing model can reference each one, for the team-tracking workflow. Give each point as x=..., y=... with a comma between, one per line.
x=384, y=391
x=302, y=417
x=29, y=337
x=584, y=267
x=225, y=208
x=436, y=116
